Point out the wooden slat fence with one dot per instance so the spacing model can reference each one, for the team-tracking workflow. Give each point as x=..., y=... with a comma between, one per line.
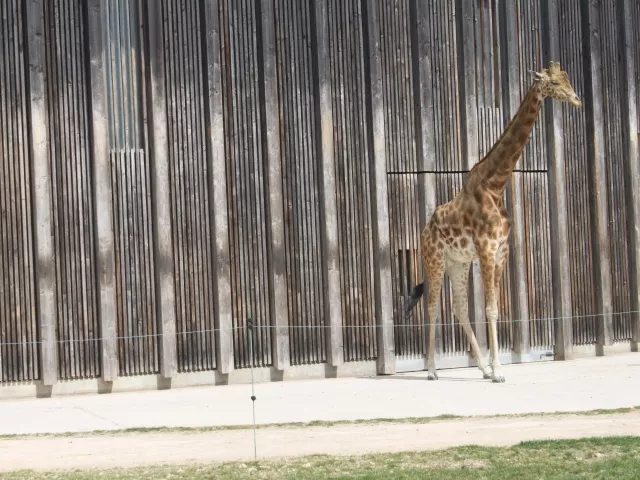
x=295, y=31
x=537, y=242
x=583, y=292
x=70, y=154
x=525, y=54
x=402, y=184
x=190, y=196
x=615, y=173
x=247, y=196
x=442, y=51
x=353, y=188
x=136, y=306
x=136, y=327
x=199, y=164
x=440, y=164
x=635, y=18
x=18, y=327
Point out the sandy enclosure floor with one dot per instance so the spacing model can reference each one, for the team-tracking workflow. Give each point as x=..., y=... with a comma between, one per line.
x=140, y=449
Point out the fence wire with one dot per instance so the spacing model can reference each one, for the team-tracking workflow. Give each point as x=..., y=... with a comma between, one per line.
x=317, y=327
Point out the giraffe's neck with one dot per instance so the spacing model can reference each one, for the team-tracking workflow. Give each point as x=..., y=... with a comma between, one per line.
x=495, y=169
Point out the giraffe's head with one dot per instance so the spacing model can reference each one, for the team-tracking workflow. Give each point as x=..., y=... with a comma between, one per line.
x=554, y=82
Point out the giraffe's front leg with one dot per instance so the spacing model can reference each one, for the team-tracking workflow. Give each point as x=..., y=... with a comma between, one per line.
x=501, y=260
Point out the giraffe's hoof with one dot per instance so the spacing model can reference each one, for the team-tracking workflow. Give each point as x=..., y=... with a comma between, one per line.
x=497, y=379
x=486, y=376
x=432, y=376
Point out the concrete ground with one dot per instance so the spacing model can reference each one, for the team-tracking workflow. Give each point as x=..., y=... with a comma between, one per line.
x=577, y=385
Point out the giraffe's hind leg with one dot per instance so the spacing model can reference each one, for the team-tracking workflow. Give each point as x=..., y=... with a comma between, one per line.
x=433, y=262
x=459, y=277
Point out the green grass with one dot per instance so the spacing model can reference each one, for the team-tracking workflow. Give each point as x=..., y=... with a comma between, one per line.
x=376, y=421
x=595, y=458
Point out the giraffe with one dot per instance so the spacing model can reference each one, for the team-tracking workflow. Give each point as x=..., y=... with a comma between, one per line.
x=475, y=225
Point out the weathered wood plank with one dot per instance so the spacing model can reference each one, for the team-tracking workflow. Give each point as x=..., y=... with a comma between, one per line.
x=597, y=169
x=217, y=182
x=45, y=271
x=295, y=42
x=206, y=341
x=380, y=219
x=629, y=16
x=577, y=181
x=329, y=211
x=103, y=193
x=353, y=199
x=18, y=356
x=187, y=120
x=560, y=259
x=397, y=36
x=276, y=255
x=517, y=258
x=163, y=244
x=351, y=141
x=427, y=160
x=88, y=291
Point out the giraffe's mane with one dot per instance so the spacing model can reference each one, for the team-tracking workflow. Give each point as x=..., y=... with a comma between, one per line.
x=506, y=129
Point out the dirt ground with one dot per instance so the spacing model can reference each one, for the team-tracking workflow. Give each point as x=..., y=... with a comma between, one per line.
x=140, y=449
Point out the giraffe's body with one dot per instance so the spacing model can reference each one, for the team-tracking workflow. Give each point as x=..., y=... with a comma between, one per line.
x=475, y=225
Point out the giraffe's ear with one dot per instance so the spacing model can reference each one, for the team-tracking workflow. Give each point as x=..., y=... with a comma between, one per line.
x=536, y=75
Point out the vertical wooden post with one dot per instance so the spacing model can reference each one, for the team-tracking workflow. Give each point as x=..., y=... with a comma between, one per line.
x=380, y=215
x=597, y=172
x=218, y=189
x=103, y=191
x=561, y=280
x=277, y=260
x=632, y=160
x=517, y=257
x=163, y=241
x=465, y=18
x=328, y=207
x=42, y=191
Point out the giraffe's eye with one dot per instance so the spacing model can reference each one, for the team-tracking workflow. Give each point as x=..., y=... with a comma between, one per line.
x=555, y=82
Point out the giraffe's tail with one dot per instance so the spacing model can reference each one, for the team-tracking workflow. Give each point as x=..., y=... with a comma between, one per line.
x=413, y=300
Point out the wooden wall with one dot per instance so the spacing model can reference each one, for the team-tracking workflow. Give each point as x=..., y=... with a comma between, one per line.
x=18, y=322
x=179, y=177
x=297, y=89
x=353, y=157
x=70, y=156
x=616, y=180
x=583, y=293
x=247, y=177
x=190, y=195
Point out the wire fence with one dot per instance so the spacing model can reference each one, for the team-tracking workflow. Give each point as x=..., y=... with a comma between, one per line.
x=320, y=327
